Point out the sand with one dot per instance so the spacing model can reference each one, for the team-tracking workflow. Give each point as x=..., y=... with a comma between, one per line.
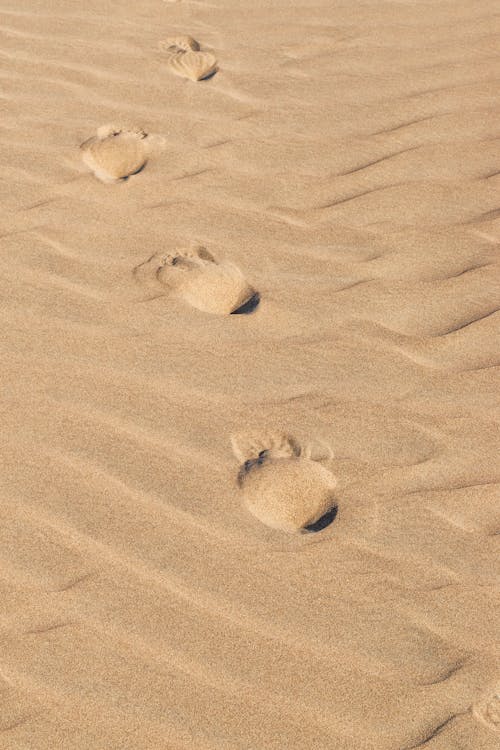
x=342, y=164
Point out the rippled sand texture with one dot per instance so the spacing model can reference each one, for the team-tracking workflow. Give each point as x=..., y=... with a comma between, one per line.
x=345, y=159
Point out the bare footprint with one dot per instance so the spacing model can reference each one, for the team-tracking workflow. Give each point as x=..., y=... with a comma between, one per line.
x=116, y=152
x=487, y=710
x=185, y=58
x=283, y=483
x=195, y=276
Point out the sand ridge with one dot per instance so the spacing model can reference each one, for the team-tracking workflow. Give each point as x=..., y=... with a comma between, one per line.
x=343, y=164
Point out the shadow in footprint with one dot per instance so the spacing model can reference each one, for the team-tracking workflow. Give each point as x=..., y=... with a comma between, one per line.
x=195, y=276
x=283, y=483
x=323, y=522
x=248, y=307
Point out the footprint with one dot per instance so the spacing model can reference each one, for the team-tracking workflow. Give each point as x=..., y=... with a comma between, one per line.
x=283, y=483
x=185, y=58
x=487, y=710
x=116, y=152
x=195, y=276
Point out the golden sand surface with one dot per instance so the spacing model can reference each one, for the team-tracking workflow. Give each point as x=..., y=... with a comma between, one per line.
x=337, y=174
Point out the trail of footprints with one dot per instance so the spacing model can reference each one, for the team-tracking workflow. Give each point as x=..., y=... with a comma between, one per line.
x=283, y=483
x=118, y=151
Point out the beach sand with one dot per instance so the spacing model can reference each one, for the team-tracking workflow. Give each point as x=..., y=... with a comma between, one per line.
x=343, y=166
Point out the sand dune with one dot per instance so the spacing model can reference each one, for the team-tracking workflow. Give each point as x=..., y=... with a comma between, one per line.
x=163, y=459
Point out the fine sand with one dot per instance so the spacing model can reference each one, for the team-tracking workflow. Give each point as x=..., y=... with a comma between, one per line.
x=336, y=173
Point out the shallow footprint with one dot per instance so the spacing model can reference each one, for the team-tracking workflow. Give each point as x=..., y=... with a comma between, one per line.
x=185, y=58
x=283, y=483
x=176, y=43
x=116, y=152
x=487, y=710
x=195, y=276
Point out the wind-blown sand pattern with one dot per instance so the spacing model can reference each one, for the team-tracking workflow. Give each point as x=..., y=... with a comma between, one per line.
x=346, y=161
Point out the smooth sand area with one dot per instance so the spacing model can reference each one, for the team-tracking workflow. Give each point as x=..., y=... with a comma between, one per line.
x=342, y=165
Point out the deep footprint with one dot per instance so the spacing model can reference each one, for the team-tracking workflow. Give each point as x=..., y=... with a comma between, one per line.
x=115, y=152
x=284, y=484
x=196, y=277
